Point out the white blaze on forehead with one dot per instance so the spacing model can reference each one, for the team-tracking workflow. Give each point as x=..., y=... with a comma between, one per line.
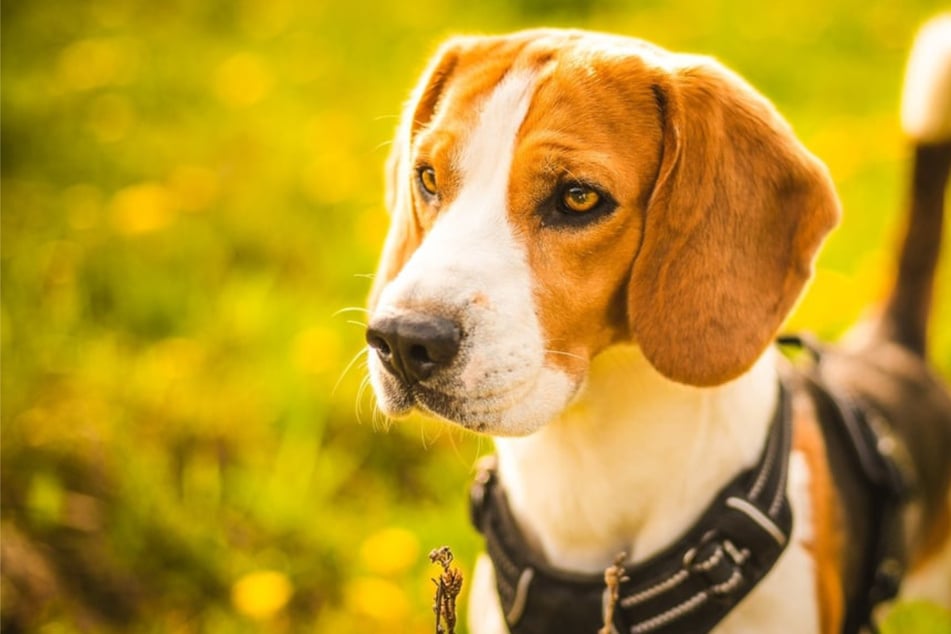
x=487, y=155
x=476, y=223
x=472, y=242
x=499, y=381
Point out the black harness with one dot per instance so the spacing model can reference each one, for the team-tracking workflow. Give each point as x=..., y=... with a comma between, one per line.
x=696, y=581
x=858, y=438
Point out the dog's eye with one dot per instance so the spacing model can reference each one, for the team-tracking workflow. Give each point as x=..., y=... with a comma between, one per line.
x=579, y=199
x=427, y=180
x=575, y=204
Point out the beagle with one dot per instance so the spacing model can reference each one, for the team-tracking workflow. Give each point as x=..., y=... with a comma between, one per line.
x=593, y=244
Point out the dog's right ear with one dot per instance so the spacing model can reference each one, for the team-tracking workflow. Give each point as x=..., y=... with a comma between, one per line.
x=405, y=232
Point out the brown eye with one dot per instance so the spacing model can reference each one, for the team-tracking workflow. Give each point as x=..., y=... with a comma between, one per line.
x=580, y=199
x=427, y=180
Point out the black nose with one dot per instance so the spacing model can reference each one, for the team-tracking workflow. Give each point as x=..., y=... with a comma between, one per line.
x=414, y=345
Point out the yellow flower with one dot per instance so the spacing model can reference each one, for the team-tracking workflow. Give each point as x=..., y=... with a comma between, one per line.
x=390, y=551
x=242, y=80
x=378, y=599
x=142, y=208
x=261, y=594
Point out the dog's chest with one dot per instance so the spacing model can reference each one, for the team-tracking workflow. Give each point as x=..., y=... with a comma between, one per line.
x=784, y=601
x=634, y=455
x=628, y=467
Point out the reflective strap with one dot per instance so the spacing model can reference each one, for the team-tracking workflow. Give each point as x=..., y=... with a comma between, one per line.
x=673, y=614
x=521, y=596
x=759, y=518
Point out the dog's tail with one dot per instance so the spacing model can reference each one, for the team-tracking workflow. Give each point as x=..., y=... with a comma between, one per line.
x=926, y=120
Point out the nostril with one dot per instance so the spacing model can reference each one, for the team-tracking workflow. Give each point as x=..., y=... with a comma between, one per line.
x=379, y=344
x=419, y=354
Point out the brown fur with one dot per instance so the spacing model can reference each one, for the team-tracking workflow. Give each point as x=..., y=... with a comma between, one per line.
x=936, y=538
x=562, y=141
x=826, y=518
x=712, y=282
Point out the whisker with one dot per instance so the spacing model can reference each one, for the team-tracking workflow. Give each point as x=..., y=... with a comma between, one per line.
x=452, y=443
x=375, y=414
x=381, y=420
x=355, y=358
x=378, y=419
x=428, y=443
x=361, y=396
x=380, y=146
x=367, y=276
x=572, y=175
x=350, y=309
x=354, y=322
x=457, y=436
x=358, y=401
x=565, y=354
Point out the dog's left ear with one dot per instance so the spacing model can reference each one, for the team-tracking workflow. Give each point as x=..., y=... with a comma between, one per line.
x=735, y=219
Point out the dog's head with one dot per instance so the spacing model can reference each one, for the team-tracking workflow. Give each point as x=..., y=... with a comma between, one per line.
x=556, y=192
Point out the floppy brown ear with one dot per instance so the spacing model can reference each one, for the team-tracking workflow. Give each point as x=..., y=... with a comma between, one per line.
x=737, y=214
x=405, y=233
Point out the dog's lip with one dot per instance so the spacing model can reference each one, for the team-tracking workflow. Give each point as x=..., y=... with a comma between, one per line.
x=437, y=402
x=448, y=397
x=458, y=409
x=433, y=387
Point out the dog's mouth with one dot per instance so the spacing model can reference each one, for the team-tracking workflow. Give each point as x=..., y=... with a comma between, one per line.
x=477, y=411
x=453, y=409
x=523, y=403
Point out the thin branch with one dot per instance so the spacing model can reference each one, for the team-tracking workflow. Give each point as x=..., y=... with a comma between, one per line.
x=448, y=587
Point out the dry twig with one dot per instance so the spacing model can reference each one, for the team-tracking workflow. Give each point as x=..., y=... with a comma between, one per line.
x=613, y=578
x=448, y=587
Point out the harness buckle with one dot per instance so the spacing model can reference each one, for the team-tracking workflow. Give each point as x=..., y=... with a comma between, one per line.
x=719, y=562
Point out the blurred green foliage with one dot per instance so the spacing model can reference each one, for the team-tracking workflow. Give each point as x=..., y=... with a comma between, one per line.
x=191, y=194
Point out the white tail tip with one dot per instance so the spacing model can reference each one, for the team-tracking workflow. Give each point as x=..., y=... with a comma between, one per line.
x=926, y=101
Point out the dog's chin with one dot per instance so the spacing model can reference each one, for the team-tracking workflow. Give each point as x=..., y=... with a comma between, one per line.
x=519, y=411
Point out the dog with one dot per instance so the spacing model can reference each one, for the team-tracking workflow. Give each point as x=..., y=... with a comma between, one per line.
x=593, y=244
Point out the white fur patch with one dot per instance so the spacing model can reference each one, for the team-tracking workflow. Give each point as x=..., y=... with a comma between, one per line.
x=499, y=383
x=926, y=98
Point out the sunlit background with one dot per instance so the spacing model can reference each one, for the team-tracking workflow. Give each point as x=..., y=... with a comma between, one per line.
x=191, y=195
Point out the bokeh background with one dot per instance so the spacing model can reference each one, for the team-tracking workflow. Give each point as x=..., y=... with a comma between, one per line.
x=191, y=199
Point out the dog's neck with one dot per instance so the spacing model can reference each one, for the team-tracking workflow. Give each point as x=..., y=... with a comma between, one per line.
x=633, y=460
